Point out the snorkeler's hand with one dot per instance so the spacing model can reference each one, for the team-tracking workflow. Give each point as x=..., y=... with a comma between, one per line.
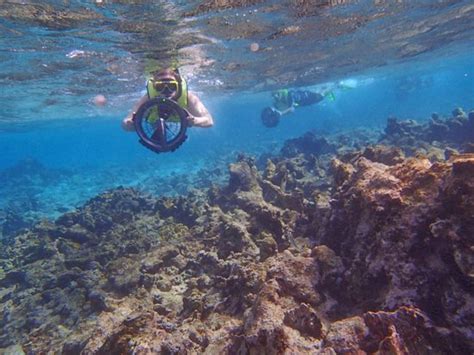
x=276, y=111
x=127, y=123
x=191, y=120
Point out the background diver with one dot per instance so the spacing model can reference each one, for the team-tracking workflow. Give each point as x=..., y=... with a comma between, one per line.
x=285, y=101
x=170, y=84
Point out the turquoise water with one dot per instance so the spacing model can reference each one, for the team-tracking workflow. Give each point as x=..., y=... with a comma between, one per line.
x=53, y=65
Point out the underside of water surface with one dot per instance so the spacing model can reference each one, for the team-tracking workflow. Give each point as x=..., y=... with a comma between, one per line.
x=344, y=226
x=57, y=55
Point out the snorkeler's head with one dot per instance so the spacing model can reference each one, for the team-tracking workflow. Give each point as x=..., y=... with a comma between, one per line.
x=167, y=82
x=280, y=95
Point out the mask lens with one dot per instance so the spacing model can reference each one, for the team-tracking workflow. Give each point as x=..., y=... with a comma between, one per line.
x=161, y=86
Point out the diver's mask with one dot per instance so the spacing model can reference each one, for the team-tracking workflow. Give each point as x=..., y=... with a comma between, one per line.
x=167, y=87
x=279, y=95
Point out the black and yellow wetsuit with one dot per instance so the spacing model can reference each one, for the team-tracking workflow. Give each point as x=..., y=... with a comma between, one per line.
x=284, y=99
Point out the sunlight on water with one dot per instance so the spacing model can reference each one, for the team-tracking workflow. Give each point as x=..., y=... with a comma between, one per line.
x=62, y=56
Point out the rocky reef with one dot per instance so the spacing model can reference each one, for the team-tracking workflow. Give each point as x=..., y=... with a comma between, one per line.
x=442, y=136
x=338, y=245
x=33, y=191
x=24, y=182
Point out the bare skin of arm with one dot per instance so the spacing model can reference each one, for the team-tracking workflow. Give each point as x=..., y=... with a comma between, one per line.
x=200, y=116
x=127, y=123
x=288, y=110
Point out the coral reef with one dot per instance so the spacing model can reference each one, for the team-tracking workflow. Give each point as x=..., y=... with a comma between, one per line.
x=34, y=191
x=24, y=181
x=436, y=137
x=335, y=246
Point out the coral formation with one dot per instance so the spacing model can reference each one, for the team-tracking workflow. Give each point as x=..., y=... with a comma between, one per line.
x=34, y=191
x=335, y=246
x=25, y=182
x=447, y=136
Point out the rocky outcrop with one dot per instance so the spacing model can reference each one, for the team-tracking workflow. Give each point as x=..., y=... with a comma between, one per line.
x=403, y=241
x=21, y=185
x=446, y=135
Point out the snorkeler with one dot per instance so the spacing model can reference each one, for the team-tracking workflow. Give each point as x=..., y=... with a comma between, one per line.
x=285, y=101
x=168, y=83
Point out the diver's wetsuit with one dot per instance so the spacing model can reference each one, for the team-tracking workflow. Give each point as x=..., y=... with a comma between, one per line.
x=285, y=101
x=304, y=98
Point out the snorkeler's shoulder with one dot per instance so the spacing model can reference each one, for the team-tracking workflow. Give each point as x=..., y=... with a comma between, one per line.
x=193, y=96
x=193, y=99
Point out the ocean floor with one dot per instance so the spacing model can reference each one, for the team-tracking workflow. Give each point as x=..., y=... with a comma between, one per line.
x=33, y=191
x=358, y=242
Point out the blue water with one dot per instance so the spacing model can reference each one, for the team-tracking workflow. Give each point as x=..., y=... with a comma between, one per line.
x=50, y=75
x=98, y=142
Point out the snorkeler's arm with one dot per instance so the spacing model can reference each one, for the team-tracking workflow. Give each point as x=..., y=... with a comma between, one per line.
x=127, y=123
x=290, y=102
x=288, y=110
x=200, y=116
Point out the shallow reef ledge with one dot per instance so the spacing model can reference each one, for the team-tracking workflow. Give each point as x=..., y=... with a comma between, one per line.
x=339, y=245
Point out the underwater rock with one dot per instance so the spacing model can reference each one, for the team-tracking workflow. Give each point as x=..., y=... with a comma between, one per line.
x=452, y=132
x=380, y=224
x=467, y=148
x=406, y=330
x=340, y=171
x=400, y=129
x=384, y=155
x=308, y=144
x=346, y=336
x=12, y=222
x=25, y=182
x=14, y=350
x=272, y=324
x=243, y=175
x=304, y=320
